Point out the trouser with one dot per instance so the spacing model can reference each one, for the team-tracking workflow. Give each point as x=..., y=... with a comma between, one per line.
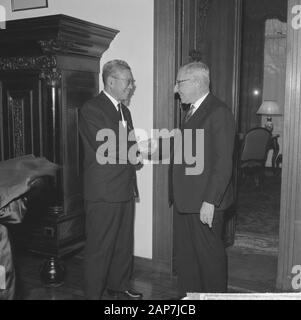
x=201, y=261
x=109, y=247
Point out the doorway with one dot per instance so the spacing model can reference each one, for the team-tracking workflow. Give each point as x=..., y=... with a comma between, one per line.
x=262, y=91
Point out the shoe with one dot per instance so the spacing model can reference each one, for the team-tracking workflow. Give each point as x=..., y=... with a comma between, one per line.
x=125, y=295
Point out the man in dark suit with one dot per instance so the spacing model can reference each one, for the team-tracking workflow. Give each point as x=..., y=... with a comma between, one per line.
x=201, y=197
x=109, y=186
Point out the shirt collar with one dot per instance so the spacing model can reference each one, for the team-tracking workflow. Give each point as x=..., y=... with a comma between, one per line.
x=199, y=101
x=114, y=101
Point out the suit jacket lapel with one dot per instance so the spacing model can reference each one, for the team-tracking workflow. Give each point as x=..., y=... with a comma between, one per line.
x=200, y=112
x=203, y=108
x=108, y=107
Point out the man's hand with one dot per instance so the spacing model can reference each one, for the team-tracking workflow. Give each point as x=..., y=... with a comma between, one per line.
x=207, y=213
x=147, y=147
x=139, y=159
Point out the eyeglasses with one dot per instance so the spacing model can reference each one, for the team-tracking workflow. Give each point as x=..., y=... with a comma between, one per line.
x=178, y=82
x=128, y=82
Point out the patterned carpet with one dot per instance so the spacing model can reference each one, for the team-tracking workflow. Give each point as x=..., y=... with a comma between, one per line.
x=258, y=213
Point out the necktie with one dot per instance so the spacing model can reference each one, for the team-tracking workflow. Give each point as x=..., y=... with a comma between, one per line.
x=120, y=114
x=189, y=113
x=119, y=111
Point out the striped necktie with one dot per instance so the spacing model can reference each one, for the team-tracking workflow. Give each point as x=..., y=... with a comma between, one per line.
x=189, y=113
x=119, y=112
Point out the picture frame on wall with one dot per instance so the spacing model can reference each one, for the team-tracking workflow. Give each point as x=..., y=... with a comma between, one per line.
x=19, y=5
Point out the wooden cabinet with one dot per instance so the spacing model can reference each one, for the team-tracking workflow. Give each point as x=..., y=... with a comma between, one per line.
x=49, y=66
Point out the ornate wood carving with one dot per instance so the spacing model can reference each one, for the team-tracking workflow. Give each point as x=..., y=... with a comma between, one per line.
x=18, y=131
x=53, y=45
x=52, y=76
x=27, y=63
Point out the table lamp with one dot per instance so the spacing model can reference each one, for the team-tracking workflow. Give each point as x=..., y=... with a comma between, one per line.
x=269, y=108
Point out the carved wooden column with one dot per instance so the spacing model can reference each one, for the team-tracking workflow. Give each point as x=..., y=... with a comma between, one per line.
x=290, y=211
x=53, y=83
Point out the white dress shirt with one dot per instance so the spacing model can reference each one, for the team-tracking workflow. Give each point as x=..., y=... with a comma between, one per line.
x=199, y=102
x=116, y=103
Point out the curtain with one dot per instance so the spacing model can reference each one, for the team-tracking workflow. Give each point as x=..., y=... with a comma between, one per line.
x=255, y=13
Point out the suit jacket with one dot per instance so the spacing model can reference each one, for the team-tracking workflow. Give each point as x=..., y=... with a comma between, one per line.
x=106, y=182
x=213, y=185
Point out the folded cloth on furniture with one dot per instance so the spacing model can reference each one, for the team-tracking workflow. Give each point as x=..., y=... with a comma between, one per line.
x=7, y=270
x=16, y=175
x=13, y=212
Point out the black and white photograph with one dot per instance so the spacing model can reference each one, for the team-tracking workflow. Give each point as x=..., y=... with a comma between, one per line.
x=150, y=150
x=18, y=5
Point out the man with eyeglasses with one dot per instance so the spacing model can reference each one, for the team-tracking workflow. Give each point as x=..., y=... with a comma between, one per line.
x=109, y=188
x=200, y=200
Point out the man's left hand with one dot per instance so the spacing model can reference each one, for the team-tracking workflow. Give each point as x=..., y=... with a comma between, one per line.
x=207, y=213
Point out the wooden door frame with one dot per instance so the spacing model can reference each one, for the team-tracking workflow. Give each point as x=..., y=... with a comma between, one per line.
x=164, y=76
x=290, y=205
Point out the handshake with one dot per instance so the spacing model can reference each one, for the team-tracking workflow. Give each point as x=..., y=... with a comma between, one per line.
x=147, y=147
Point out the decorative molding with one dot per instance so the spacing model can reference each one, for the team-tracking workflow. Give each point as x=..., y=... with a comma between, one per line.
x=46, y=65
x=52, y=76
x=55, y=34
x=27, y=63
x=55, y=45
x=18, y=130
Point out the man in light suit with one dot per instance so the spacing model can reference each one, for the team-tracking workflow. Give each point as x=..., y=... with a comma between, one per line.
x=200, y=199
x=109, y=188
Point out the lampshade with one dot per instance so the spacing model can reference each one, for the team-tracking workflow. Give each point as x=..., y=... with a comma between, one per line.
x=269, y=107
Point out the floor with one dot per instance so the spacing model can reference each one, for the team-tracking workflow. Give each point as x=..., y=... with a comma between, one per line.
x=248, y=272
x=259, y=206
x=251, y=271
x=252, y=261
